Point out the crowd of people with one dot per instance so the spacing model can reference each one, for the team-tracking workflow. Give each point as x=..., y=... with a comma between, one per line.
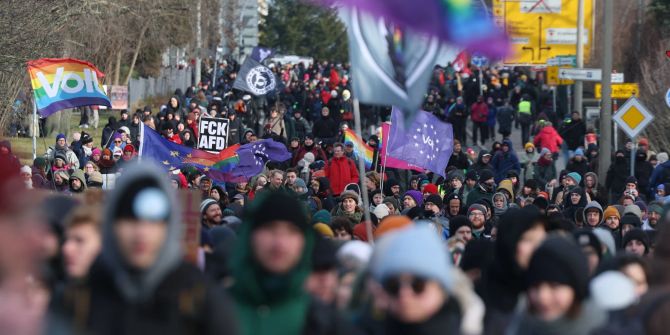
x=499, y=243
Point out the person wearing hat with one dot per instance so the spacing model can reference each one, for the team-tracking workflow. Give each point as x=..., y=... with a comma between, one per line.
x=557, y=292
x=578, y=163
x=421, y=292
x=591, y=247
x=235, y=128
x=527, y=161
x=629, y=221
x=310, y=146
x=434, y=211
x=453, y=205
x=77, y=182
x=593, y=215
x=410, y=200
x=270, y=268
x=460, y=227
x=484, y=189
x=477, y=215
x=617, y=175
x=302, y=127
x=39, y=174
x=545, y=169
x=83, y=148
x=483, y=162
x=505, y=160
x=655, y=211
x=95, y=180
x=348, y=207
x=141, y=281
x=636, y=242
x=454, y=183
x=63, y=149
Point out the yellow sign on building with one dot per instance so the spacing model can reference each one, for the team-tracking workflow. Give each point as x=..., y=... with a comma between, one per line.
x=620, y=91
x=542, y=29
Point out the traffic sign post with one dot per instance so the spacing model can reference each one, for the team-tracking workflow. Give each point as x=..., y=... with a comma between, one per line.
x=633, y=117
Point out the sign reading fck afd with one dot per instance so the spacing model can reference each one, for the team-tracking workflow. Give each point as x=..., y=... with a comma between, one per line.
x=60, y=83
x=213, y=133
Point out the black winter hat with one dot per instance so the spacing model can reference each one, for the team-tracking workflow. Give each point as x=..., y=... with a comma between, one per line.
x=541, y=203
x=560, y=260
x=637, y=234
x=531, y=183
x=277, y=206
x=585, y=238
x=485, y=175
x=472, y=175
x=631, y=219
x=324, y=255
x=631, y=179
x=457, y=222
x=435, y=199
x=86, y=138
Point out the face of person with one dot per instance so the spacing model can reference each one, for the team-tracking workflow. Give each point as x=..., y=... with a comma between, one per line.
x=173, y=102
x=464, y=233
x=342, y=235
x=349, y=205
x=456, y=183
x=486, y=159
x=89, y=168
x=471, y=182
x=390, y=207
x=278, y=246
x=653, y=218
x=635, y=247
x=277, y=180
x=413, y=299
x=76, y=183
x=457, y=147
x=527, y=244
x=498, y=202
x=140, y=241
x=82, y=245
x=408, y=202
x=213, y=214
x=309, y=141
x=61, y=142
x=591, y=258
x=575, y=197
x=612, y=222
x=592, y=218
x=291, y=177
x=414, y=184
x=323, y=285
x=550, y=301
x=429, y=206
x=369, y=184
x=377, y=199
x=627, y=202
x=325, y=112
x=454, y=207
x=477, y=219
x=636, y=273
x=338, y=151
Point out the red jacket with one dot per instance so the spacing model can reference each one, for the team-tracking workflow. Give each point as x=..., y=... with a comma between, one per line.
x=548, y=138
x=341, y=171
x=479, y=112
x=319, y=154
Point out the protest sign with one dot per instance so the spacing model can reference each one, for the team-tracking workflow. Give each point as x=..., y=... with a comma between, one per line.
x=213, y=133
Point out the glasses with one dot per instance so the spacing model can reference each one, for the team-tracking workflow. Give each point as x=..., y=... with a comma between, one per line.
x=393, y=285
x=117, y=141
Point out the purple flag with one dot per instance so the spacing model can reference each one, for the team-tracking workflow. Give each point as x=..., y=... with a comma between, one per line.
x=254, y=155
x=427, y=142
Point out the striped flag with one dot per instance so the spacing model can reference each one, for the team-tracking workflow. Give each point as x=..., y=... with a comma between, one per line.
x=361, y=149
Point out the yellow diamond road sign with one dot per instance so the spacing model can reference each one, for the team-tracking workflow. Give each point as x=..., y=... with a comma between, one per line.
x=633, y=117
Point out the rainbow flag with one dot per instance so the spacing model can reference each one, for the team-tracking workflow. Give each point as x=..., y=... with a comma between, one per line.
x=60, y=83
x=361, y=149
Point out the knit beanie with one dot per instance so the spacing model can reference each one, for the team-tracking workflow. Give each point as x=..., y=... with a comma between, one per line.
x=415, y=250
x=655, y=207
x=391, y=223
x=430, y=188
x=485, y=175
x=633, y=209
x=361, y=232
x=637, y=234
x=457, y=222
x=59, y=136
x=611, y=211
x=435, y=199
x=416, y=195
x=528, y=145
x=349, y=195
x=204, y=205
x=631, y=219
x=276, y=206
x=586, y=238
x=479, y=207
x=324, y=230
x=559, y=260
x=576, y=177
x=322, y=216
x=381, y=211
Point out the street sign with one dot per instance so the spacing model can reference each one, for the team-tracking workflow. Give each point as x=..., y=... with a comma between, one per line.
x=620, y=91
x=542, y=29
x=552, y=77
x=569, y=61
x=633, y=117
x=588, y=75
x=667, y=98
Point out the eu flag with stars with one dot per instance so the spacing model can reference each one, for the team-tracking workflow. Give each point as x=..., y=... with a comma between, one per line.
x=427, y=142
x=254, y=155
x=174, y=156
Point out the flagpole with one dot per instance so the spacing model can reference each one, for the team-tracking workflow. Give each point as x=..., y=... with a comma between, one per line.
x=361, y=174
x=384, y=150
x=35, y=129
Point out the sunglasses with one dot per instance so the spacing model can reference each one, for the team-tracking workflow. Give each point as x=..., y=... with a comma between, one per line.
x=117, y=141
x=393, y=285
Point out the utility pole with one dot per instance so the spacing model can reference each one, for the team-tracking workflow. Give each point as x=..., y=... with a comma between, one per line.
x=579, y=85
x=198, y=42
x=605, y=143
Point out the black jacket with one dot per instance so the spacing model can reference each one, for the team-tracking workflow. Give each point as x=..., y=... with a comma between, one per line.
x=573, y=132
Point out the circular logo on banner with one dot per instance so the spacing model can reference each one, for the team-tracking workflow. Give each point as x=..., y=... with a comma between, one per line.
x=667, y=98
x=260, y=80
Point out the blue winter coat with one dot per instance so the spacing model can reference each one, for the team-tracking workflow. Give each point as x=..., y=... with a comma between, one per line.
x=505, y=161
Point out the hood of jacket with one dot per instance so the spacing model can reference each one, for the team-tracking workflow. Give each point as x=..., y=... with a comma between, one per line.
x=590, y=205
x=595, y=178
x=138, y=286
x=79, y=174
x=508, y=186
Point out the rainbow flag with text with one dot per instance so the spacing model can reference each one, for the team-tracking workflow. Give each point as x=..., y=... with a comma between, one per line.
x=60, y=83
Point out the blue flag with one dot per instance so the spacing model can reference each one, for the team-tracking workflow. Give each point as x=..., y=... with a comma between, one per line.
x=254, y=155
x=427, y=142
x=175, y=156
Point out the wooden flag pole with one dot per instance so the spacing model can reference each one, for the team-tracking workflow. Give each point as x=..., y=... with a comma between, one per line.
x=361, y=174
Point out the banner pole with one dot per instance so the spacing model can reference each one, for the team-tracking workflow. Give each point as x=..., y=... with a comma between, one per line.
x=361, y=175
x=35, y=129
x=384, y=150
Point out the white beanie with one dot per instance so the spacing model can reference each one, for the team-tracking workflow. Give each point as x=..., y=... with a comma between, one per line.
x=309, y=157
x=662, y=157
x=381, y=211
x=26, y=169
